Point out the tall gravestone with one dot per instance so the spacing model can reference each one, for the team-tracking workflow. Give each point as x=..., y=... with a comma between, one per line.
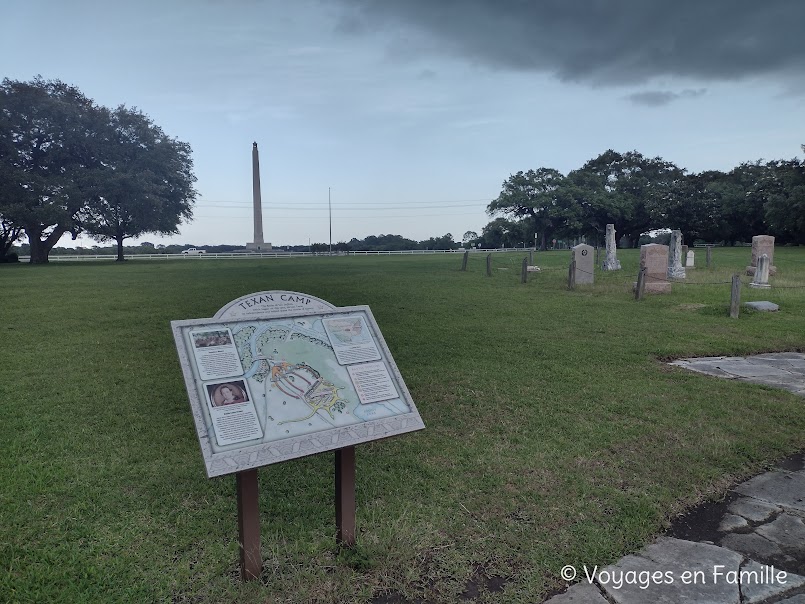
x=583, y=254
x=675, y=268
x=762, y=244
x=654, y=259
x=761, y=278
x=611, y=263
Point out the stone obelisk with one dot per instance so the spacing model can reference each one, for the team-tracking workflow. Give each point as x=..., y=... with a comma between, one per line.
x=612, y=263
x=258, y=245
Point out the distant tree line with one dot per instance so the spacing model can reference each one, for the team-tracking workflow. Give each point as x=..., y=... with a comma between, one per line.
x=68, y=165
x=639, y=194
x=370, y=243
x=384, y=243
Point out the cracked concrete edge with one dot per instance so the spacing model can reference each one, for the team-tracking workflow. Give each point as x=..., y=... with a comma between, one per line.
x=742, y=489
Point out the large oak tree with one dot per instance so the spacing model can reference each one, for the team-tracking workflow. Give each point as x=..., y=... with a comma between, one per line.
x=145, y=185
x=67, y=165
x=47, y=159
x=544, y=198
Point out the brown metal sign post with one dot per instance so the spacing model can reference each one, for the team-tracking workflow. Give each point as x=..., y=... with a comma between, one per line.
x=345, y=496
x=251, y=560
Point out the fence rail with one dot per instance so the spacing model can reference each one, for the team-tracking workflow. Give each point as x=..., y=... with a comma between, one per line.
x=231, y=255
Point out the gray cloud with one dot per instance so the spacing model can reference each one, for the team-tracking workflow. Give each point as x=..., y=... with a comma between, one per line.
x=603, y=42
x=657, y=98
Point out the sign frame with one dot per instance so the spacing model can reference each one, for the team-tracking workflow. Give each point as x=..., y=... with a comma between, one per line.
x=254, y=455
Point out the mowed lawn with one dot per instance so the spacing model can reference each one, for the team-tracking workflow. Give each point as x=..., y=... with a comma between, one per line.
x=555, y=435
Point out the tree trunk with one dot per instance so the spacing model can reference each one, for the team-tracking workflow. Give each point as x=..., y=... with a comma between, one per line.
x=41, y=248
x=39, y=253
x=120, y=257
x=544, y=244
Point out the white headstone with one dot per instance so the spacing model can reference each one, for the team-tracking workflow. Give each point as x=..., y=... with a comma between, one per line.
x=761, y=278
x=689, y=261
x=583, y=254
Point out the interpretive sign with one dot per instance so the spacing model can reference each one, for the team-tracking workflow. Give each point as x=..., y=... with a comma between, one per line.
x=279, y=375
x=274, y=302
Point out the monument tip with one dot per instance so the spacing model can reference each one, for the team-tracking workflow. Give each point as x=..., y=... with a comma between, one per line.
x=254, y=144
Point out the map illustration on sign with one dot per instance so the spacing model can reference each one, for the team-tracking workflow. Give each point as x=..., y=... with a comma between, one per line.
x=295, y=379
x=351, y=339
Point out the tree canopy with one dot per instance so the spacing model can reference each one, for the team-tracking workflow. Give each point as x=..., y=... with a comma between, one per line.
x=68, y=165
x=146, y=185
x=639, y=194
x=48, y=159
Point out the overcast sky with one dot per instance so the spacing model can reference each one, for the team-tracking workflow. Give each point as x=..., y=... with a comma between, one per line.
x=415, y=111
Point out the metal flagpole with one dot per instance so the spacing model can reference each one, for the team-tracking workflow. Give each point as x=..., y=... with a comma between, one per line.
x=330, y=206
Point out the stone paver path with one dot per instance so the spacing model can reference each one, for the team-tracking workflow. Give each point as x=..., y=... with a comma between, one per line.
x=748, y=549
x=778, y=369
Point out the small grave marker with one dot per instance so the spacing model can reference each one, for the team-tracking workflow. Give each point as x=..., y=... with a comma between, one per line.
x=582, y=256
x=761, y=278
x=690, y=260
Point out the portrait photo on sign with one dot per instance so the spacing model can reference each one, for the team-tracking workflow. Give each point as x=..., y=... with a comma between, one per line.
x=205, y=339
x=228, y=393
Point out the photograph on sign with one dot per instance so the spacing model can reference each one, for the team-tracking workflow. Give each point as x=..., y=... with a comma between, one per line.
x=305, y=383
x=215, y=354
x=232, y=412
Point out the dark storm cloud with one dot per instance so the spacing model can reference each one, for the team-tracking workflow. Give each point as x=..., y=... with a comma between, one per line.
x=657, y=98
x=604, y=41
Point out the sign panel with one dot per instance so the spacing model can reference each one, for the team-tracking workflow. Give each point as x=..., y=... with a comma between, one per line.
x=265, y=388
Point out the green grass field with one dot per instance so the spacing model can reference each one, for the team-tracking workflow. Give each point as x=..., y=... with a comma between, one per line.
x=554, y=433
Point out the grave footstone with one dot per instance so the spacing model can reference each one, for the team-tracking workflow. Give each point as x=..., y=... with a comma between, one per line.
x=763, y=305
x=654, y=258
x=675, y=268
x=611, y=263
x=762, y=244
x=585, y=263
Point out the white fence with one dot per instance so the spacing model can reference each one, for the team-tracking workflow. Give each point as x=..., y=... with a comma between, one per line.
x=238, y=255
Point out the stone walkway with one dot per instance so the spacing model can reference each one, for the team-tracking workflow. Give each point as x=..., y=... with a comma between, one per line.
x=779, y=369
x=747, y=549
